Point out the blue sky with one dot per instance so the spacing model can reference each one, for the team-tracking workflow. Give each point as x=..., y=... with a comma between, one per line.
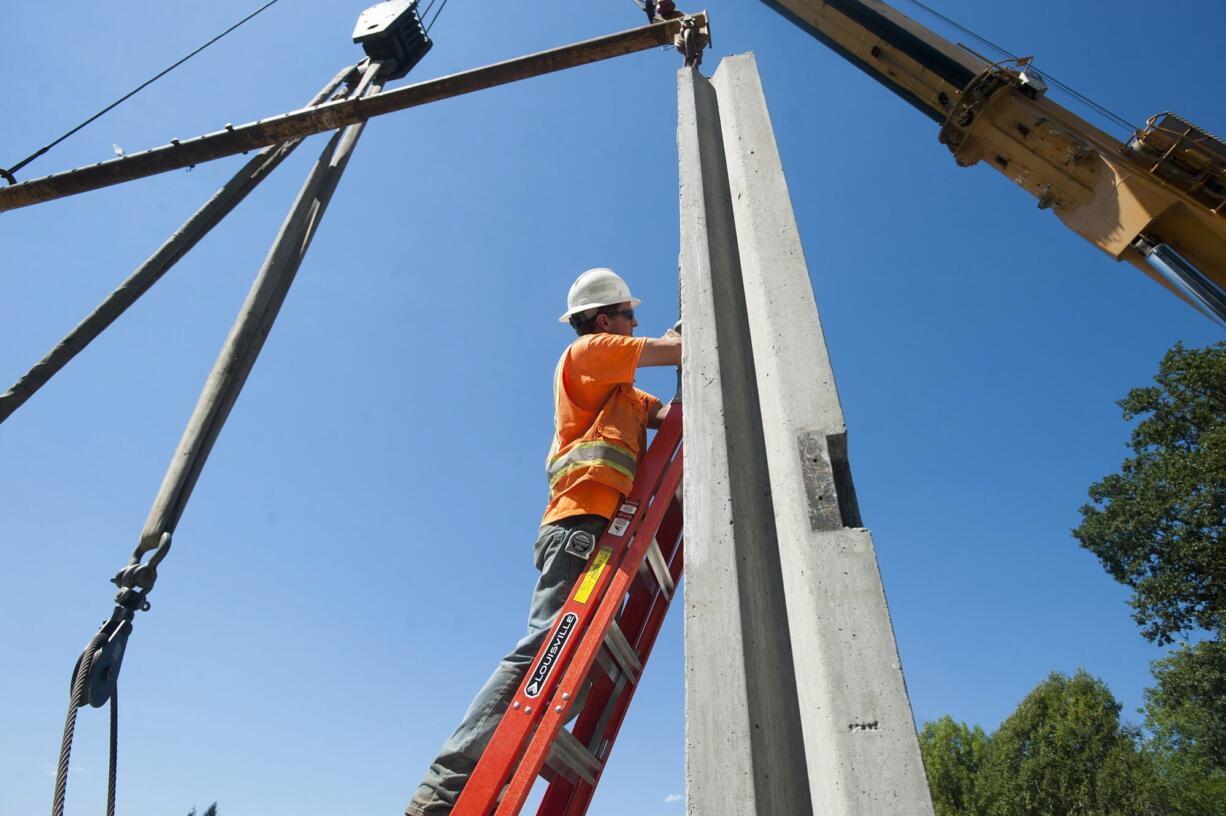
x=357, y=553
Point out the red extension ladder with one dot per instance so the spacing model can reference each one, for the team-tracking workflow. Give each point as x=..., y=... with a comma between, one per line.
x=610, y=621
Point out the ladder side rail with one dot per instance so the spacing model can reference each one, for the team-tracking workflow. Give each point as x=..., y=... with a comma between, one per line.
x=612, y=727
x=498, y=761
x=602, y=714
x=562, y=791
x=601, y=699
x=584, y=656
x=501, y=756
x=634, y=618
x=668, y=541
x=643, y=592
x=590, y=724
x=654, y=621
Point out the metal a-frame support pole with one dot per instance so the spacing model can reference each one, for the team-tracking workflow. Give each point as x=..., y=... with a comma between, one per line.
x=159, y=263
x=251, y=329
x=795, y=700
x=97, y=670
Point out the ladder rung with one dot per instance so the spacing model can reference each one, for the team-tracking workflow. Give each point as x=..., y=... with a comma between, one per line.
x=655, y=559
x=598, y=744
x=606, y=663
x=615, y=641
x=571, y=755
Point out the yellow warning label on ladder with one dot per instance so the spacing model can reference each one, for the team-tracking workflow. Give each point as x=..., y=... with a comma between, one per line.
x=584, y=590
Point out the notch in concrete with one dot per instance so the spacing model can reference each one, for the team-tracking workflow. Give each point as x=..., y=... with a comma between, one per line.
x=829, y=490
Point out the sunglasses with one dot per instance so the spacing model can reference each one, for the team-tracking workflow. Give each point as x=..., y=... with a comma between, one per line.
x=626, y=313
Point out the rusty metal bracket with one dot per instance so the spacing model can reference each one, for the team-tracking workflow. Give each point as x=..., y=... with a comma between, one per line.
x=695, y=35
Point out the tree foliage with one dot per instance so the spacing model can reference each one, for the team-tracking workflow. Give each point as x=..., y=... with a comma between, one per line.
x=1157, y=525
x=953, y=755
x=1186, y=714
x=1063, y=751
x=1187, y=707
x=1186, y=710
x=1189, y=785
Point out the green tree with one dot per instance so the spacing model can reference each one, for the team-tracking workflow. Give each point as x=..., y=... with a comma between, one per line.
x=1157, y=525
x=1189, y=785
x=1186, y=713
x=1063, y=752
x=953, y=755
x=1187, y=707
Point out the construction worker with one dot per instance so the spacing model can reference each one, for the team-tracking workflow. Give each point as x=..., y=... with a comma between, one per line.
x=600, y=431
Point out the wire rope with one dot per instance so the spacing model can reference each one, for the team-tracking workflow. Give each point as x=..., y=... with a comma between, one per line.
x=442, y=6
x=112, y=776
x=8, y=174
x=1119, y=120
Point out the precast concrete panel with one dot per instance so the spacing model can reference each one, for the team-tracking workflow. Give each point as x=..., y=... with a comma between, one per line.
x=794, y=522
x=744, y=749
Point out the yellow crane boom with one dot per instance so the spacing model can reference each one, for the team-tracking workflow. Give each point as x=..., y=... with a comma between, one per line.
x=1157, y=202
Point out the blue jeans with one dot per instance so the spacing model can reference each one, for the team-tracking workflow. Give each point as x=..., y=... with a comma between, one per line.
x=441, y=786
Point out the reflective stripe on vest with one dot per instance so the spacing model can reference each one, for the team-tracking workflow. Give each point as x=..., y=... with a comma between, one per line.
x=586, y=454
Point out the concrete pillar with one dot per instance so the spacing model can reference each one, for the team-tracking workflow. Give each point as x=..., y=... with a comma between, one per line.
x=744, y=752
x=795, y=701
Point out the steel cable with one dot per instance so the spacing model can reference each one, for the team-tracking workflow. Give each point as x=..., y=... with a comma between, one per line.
x=1119, y=120
x=113, y=769
x=436, y=15
x=76, y=700
x=8, y=174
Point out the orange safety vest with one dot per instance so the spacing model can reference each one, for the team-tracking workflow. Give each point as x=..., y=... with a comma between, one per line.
x=607, y=451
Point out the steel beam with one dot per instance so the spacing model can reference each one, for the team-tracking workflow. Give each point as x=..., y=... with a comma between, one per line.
x=321, y=118
x=795, y=701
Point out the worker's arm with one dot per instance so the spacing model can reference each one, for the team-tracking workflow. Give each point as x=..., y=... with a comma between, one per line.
x=655, y=410
x=655, y=417
x=661, y=351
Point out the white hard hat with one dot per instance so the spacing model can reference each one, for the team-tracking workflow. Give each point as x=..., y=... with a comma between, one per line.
x=595, y=288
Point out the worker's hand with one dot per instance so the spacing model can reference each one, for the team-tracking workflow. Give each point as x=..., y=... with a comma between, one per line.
x=676, y=329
